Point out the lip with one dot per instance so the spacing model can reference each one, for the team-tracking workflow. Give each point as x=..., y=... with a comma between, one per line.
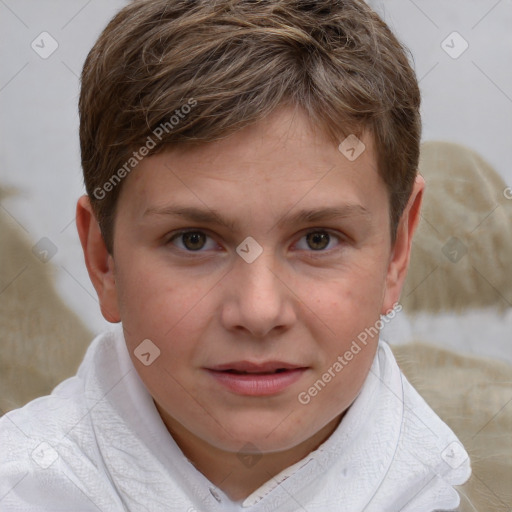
x=261, y=379
x=255, y=367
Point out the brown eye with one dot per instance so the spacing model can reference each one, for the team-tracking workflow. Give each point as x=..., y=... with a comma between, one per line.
x=318, y=240
x=193, y=240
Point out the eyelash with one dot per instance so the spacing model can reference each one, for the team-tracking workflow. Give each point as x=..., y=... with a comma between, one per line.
x=314, y=254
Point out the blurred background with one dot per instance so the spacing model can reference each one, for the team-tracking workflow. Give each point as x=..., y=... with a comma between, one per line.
x=462, y=53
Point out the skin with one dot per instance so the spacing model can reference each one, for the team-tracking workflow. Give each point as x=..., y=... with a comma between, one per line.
x=297, y=302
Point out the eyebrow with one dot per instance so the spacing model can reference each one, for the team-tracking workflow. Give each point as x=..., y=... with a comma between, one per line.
x=303, y=216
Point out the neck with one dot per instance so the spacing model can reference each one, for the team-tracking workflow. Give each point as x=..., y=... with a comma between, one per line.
x=239, y=474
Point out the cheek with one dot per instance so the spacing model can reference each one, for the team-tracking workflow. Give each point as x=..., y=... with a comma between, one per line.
x=160, y=305
x=343, y=316
x=171, y=312
x=350, y=300
x=347, y=344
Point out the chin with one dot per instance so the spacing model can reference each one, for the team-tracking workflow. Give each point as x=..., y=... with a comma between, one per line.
x=262, y=437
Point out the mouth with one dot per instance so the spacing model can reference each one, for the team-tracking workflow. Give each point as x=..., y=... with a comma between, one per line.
x=243, y=372
x=257, y=379
x=251, y=367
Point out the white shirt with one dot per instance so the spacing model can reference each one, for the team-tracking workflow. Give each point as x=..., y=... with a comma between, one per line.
x=97, y=443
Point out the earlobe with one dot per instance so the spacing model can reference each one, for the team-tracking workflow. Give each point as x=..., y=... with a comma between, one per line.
x=401, y=252
x=99, y=263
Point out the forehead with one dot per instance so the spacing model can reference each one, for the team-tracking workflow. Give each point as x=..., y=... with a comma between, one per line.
x=278, y=160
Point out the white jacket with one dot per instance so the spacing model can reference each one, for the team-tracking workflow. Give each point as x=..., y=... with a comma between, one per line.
x=97, y=443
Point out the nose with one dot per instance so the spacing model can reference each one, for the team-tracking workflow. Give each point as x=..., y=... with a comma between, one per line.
x=257, y=300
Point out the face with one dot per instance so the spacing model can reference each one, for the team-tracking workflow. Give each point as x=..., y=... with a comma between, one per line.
x=253, y=263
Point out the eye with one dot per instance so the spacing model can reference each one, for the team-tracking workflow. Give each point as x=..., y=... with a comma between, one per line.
x=319, y=240
x=192, y=241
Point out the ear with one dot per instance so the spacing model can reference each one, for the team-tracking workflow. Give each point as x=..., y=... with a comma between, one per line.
x=100, y=264
x=401, y=251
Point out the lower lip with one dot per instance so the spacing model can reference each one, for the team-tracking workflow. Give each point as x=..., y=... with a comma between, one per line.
x=257, y=384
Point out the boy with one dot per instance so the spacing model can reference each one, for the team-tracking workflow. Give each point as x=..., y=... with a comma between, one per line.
x=251, y=169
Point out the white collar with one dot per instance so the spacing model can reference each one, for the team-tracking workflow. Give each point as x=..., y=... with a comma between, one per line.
x=390, y=451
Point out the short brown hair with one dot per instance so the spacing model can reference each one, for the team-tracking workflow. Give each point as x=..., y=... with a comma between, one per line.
x=235, y=61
